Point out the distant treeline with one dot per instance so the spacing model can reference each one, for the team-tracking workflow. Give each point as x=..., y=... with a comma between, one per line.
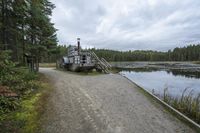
x=189, y=53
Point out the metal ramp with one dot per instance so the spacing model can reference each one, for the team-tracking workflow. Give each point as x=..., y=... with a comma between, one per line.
x=101, y=64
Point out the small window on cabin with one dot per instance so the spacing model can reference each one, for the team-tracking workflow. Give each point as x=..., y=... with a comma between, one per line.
x=84, y=57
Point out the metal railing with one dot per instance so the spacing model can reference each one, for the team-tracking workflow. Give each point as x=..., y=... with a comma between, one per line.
x=102, y=64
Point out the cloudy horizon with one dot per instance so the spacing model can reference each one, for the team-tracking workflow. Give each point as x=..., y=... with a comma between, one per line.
x=128, y=24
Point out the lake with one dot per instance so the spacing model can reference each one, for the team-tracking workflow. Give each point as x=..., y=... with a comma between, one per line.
x=158, y=79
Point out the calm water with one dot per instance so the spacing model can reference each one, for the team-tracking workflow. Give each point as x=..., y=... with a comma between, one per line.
x=175, y=80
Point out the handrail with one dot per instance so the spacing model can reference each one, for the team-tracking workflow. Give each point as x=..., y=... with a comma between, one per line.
x=102, y=63
x=108, y=64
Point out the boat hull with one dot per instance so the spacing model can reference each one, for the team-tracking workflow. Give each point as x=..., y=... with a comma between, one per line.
x=79, y=67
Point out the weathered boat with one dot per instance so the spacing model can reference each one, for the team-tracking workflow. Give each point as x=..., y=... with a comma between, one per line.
x=81, y=60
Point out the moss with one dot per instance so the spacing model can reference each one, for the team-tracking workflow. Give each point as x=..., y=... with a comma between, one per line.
x=28, y=117
x=24, y=120
x=29, y=114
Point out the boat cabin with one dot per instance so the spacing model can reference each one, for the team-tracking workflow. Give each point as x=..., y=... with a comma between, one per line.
x=78, y=60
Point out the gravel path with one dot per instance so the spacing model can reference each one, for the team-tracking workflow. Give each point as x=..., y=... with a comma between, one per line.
x=103, y=104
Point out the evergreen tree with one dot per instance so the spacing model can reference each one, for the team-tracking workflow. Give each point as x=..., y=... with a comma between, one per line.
x=25, y=27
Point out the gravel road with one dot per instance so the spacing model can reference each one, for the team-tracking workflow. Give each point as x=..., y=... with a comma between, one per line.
x=103, y=104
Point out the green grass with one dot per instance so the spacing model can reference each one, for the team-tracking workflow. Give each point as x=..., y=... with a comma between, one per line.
x=188, y=104
x=115, y=70
x=20, y=114
x=27, y=118
x=28, y=114
x=23, y=120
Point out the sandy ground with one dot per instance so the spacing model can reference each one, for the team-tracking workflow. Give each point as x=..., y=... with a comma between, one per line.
x=103, y=104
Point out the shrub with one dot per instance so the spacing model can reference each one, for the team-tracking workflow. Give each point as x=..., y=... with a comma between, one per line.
x=5, y=64
x=19, y=79
x=8, y=104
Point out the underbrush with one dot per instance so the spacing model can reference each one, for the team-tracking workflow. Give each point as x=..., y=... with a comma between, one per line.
x=188, y=104
x=16, y=80
x=19, y=113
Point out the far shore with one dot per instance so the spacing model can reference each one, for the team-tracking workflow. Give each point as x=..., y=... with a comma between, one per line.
x=189, y=66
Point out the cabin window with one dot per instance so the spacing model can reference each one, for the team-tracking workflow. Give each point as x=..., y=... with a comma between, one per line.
x=77, y=60
x=84, y=59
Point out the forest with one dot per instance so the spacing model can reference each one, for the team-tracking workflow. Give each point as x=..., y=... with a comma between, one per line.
x=25, y=28
x=187, y=53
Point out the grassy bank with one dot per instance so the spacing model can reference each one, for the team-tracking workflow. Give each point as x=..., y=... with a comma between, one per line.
x=26, y=117
x=22, y=95
x=188, y=104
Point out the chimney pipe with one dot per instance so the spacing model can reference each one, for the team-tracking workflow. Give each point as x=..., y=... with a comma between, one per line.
x=78, y=42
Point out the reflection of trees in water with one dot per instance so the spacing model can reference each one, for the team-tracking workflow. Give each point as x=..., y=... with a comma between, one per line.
x=185, y=73
x=175, y=72
x=142, y=69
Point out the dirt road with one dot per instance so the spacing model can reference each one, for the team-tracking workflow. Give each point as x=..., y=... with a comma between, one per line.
x=103, y=104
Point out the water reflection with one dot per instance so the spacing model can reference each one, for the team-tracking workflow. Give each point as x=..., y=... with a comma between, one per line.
x=175, y=72
x=185, y=73
x=155, y=79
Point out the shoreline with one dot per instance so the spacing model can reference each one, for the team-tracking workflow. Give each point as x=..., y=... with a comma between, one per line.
x=172, y=110
x=185, y=66
x=106, y=103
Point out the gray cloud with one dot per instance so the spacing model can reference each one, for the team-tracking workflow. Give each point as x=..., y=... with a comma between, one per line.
x=128, y=24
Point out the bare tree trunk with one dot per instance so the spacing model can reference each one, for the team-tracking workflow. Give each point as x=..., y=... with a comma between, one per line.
x=3, y=25
x=23, y=45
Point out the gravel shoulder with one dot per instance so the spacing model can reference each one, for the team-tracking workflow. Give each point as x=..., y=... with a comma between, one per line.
x=103, y=104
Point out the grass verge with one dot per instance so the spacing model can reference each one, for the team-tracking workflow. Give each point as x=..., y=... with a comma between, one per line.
x=188, y=104
x=26, y=119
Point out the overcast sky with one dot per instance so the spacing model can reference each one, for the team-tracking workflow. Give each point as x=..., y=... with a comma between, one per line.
x=128, y=24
